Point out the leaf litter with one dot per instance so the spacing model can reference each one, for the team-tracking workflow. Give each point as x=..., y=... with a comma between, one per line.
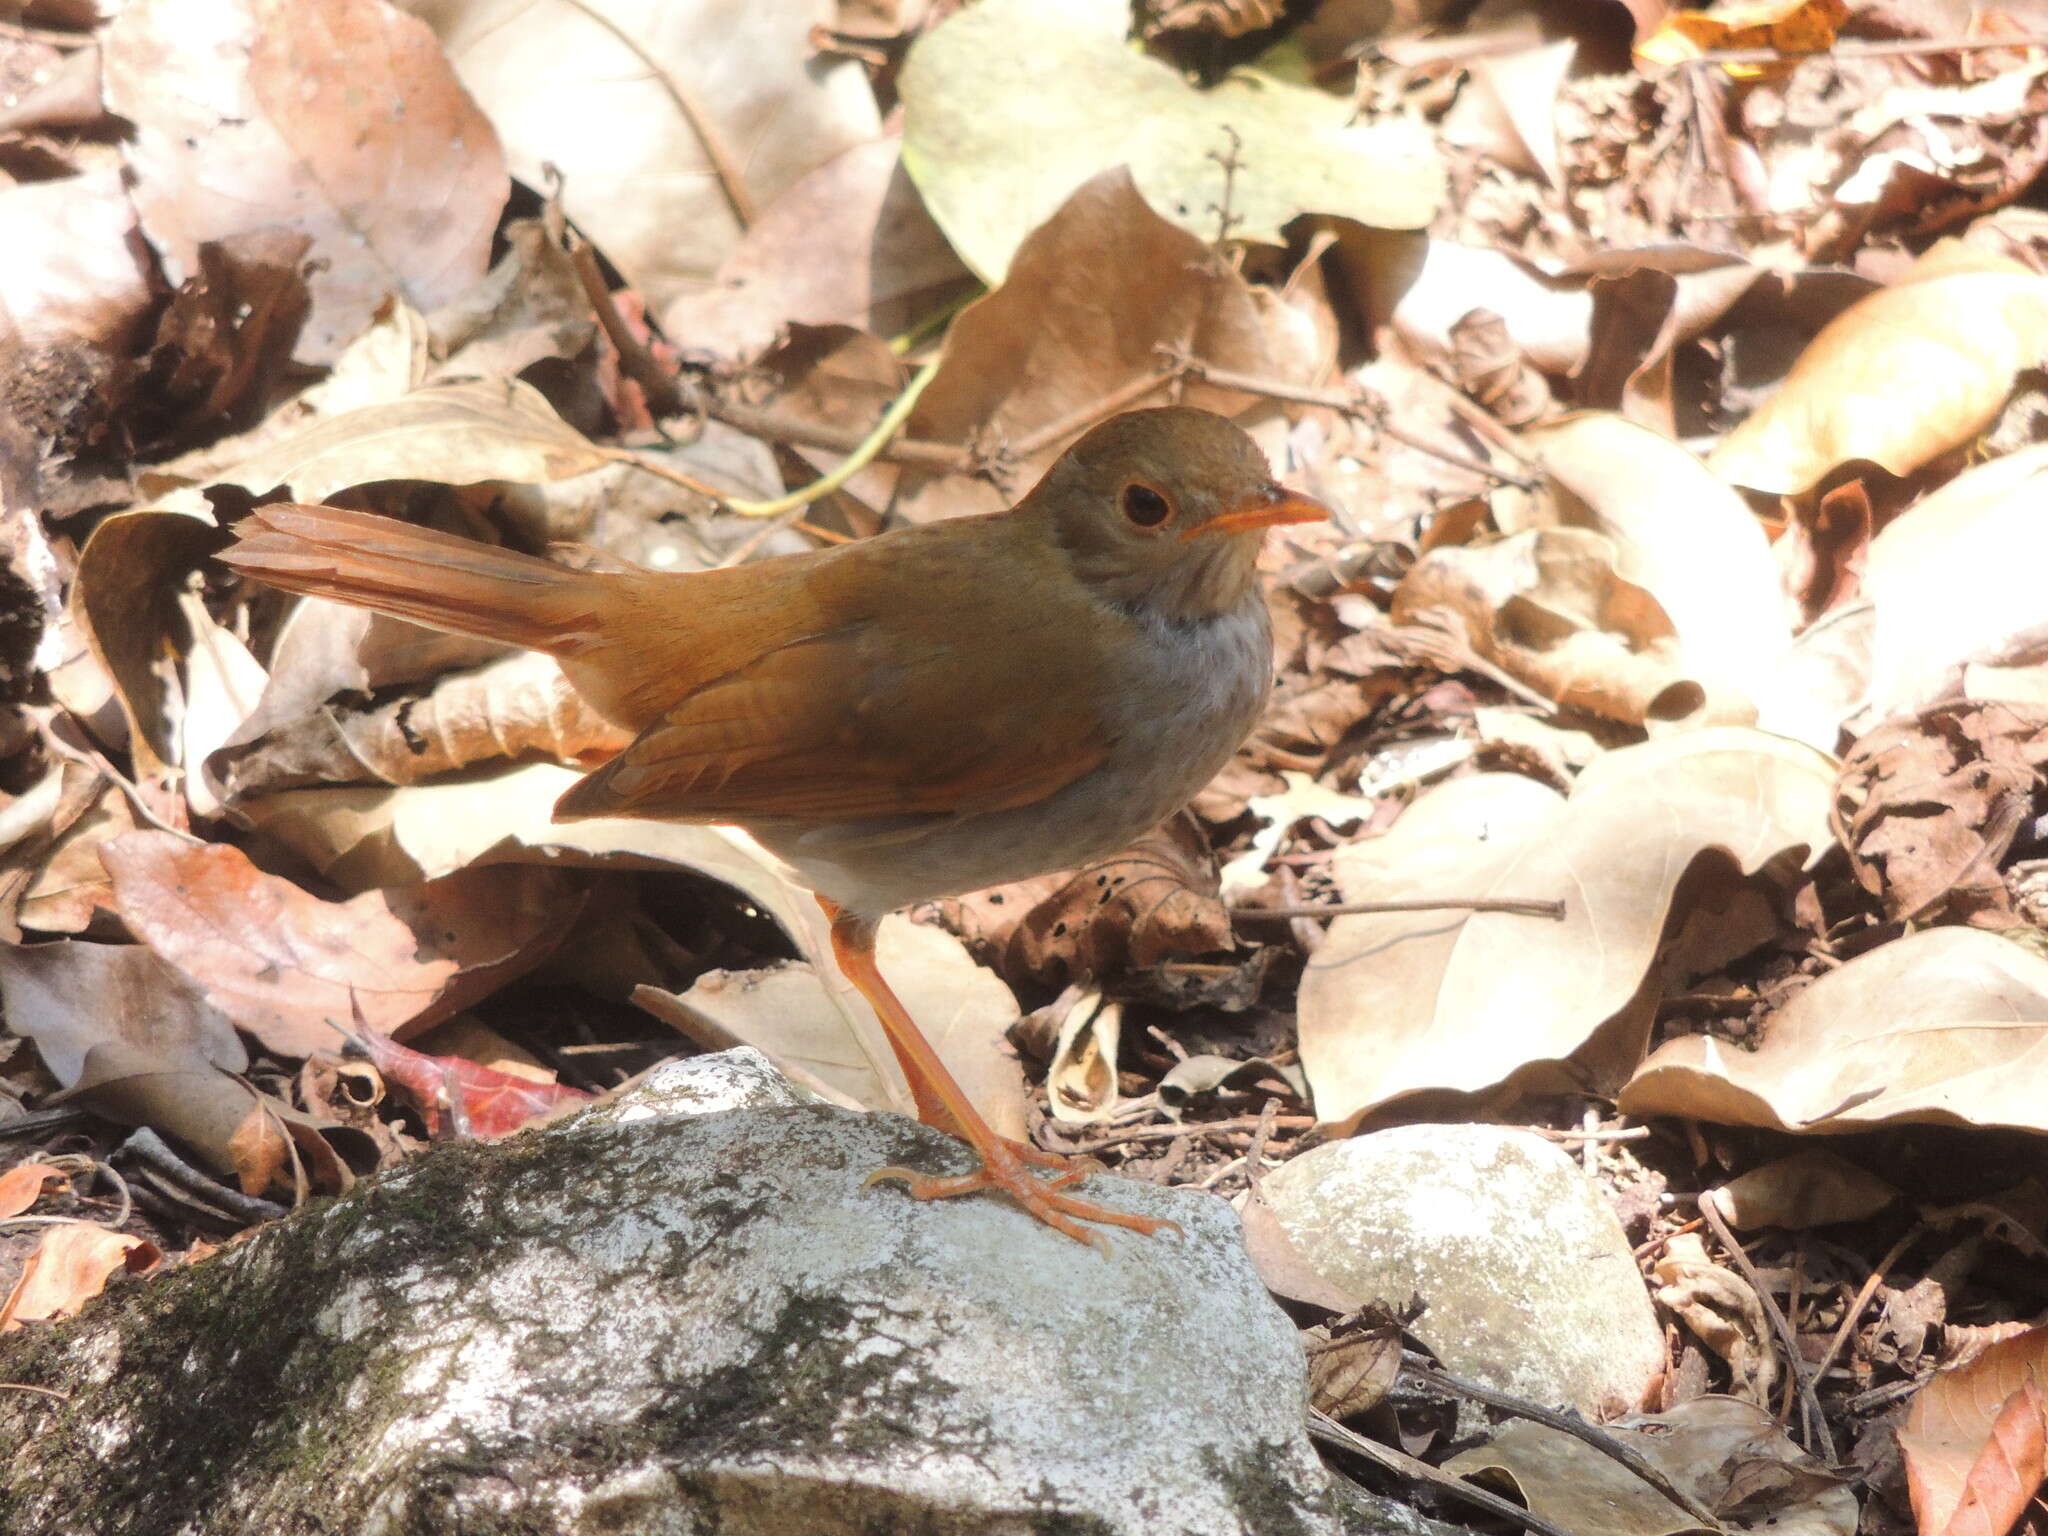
x=1676, y=379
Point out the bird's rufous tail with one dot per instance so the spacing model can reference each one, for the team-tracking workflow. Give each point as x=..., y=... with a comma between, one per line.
x=431, y=578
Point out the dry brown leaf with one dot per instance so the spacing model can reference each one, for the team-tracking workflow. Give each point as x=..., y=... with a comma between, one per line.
x=70, y=889
x=1157, y=900
x=618, y=97
x=1404, y=1003
x=1811, y=1188
x=1956, y=580
x=131, y=1038
x=1041, y=352
x=850, y=244
x=1729, y=1455
x=69, y=1267
x=512, y=707
x=125, y=599
x=243, y=121
x=1681, y=534
x=1899, y=377
x=1928, y=808
x=1973, y=1440
x=451, y=434
x=294, y=970
x=1549, y=608
x=1948, y=1026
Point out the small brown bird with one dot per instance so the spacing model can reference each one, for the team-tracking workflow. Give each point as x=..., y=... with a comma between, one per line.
x=931, y=711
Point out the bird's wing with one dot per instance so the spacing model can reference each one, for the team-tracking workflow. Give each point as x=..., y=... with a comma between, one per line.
x=913, y=714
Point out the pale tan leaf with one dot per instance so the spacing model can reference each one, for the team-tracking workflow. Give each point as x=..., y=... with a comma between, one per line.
x=1948, y=1026
x=69, y=1267
x=1401, y=1003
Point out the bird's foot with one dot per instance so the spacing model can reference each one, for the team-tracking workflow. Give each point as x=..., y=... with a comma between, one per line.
x=1005, y=1170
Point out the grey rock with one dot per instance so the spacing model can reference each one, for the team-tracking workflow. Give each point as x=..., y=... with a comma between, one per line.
x=1527, y=1275
x=741, y=1078
x=686, y=1324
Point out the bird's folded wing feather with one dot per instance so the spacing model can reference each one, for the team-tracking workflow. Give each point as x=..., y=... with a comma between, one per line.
x=870, y=720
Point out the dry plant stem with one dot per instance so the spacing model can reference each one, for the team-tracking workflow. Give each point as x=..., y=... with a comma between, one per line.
x=1657, y=1244
x=1350, y=403
x=862, y=456
x=1869, y=1289
x=940, y=458
x=664, y=395
x=22, y=1386
x=729, y=179
x=90, y=757
x=1565, y=1424
x=1122, y=398
x=1401, y=1464
x=1590, y=1137
x=1515, y=905
x=1817, y=1434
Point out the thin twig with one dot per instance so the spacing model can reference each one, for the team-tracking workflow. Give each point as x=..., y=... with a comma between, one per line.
x=1863, y=1295
x=1818, y=1435
x=90, y=757
x=1326, y=1429
x=1515, y=905
x=1350, y=403
x=1625, y=1133
x=1565, y=1424
x=722, y=163
x=918, y=453
x=1122, y=397
x=861, y=457
x=22, y=1386
x=664, y=394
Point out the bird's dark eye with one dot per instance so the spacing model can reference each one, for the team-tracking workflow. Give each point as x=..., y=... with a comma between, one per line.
x=1145, y=506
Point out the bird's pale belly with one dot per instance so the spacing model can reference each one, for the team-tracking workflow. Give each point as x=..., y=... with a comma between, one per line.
x=1218, y=674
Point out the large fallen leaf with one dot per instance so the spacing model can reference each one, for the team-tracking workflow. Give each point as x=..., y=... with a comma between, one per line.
x=625, y=100
x=1680, y=533
x=1404, y=1003
x=1948, y=1026
x=1973, y=1440
x=1038, y=355
x=1899, y=377
x=1010, y=105
x=452, y=434
x=1956, y=579
x=247, y=117
x=790, y=1015
x=1729, y=1456
x=294, y=970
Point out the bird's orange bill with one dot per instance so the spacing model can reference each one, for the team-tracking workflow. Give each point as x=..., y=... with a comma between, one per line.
x=1275, y=505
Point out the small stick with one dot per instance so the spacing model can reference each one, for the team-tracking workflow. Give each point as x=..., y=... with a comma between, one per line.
x=1863, y=1295
x=1515, y=905
x=664, y=395
x=1567, y=1424
x=856, y=461
x=940, y=458
x=1350, y=403
x=1809, y=1401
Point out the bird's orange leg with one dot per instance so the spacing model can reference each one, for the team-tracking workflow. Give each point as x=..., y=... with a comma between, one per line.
x=941, y=1102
